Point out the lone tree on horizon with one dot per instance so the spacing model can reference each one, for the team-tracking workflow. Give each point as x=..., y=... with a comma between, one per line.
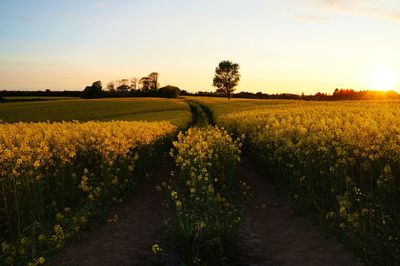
x=226, y=77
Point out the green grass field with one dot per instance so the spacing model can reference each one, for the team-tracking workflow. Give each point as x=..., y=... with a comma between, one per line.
x=222, y=106
x=35, y=98
x=149, y=109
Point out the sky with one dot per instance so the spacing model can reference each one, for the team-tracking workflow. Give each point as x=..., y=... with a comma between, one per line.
x=293, y=46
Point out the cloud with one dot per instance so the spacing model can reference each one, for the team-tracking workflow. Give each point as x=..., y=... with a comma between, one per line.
x=340, y=3
x=313, y=19
x=394, y=15
x=386, y=9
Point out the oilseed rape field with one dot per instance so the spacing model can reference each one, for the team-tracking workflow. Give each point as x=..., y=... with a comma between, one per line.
x=55, y=177
x=206, y=196
x=64, y=164
x=338, y=160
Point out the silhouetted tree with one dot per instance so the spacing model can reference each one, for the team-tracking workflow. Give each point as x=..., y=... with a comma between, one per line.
x=145, y=83
x=124, y=88
x=133, y=84
x=226, y=77
x=97, y=85
x=154, y=85
x=124, y=82
x=169, y=92
x=94, y=91
x=111, y=86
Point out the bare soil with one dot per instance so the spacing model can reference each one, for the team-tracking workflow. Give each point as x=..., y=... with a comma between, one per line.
x=127, y=241
x=272, y=235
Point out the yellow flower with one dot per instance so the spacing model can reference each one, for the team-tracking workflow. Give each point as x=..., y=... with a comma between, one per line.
x=174, y=195
x=36, y=164
x=200, y=225
x=156, y=249
x=91, y=197
x=59, y=217
x=4, y=247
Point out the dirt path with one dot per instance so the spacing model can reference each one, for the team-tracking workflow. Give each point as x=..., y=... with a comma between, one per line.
x=268, y=236
x=127, y=241
x=274, y=236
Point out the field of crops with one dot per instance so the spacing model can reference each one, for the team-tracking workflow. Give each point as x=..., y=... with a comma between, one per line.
x=339, y=160
x=35, y=98
x=205, y=197
x=57, y=177
x=149, y=109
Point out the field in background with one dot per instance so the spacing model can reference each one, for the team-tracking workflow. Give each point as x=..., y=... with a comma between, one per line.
x=35, y=98
x=149, y=109
x=222, y=106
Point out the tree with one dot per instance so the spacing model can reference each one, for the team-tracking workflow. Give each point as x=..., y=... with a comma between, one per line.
x=169, y=92
x=149, y=83
x=97, y=85
x=154, y=85
x=226, y=77
x=133, y=84
x=94, y=91
x=123, y=89
x=145, y=83
x=124, y=82
x=111, y=86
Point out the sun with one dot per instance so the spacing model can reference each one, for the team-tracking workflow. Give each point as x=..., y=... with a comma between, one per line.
x=383, y=79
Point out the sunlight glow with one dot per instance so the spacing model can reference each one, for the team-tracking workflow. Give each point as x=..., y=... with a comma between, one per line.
x=383, y=79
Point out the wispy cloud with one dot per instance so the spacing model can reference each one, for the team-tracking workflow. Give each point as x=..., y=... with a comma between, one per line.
x=387, y=9
x=394, y=15
x=341, y=4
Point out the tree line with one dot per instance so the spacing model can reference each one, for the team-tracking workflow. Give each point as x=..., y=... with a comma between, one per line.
x=147, y=86
x=338, y=95
x=40, y=93
x=226, y=78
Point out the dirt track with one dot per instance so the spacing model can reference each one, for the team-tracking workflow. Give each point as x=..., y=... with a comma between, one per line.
x=272, y=235
x=127, y=241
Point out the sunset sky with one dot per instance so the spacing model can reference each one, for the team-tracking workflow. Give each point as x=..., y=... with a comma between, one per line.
x=281, y=45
